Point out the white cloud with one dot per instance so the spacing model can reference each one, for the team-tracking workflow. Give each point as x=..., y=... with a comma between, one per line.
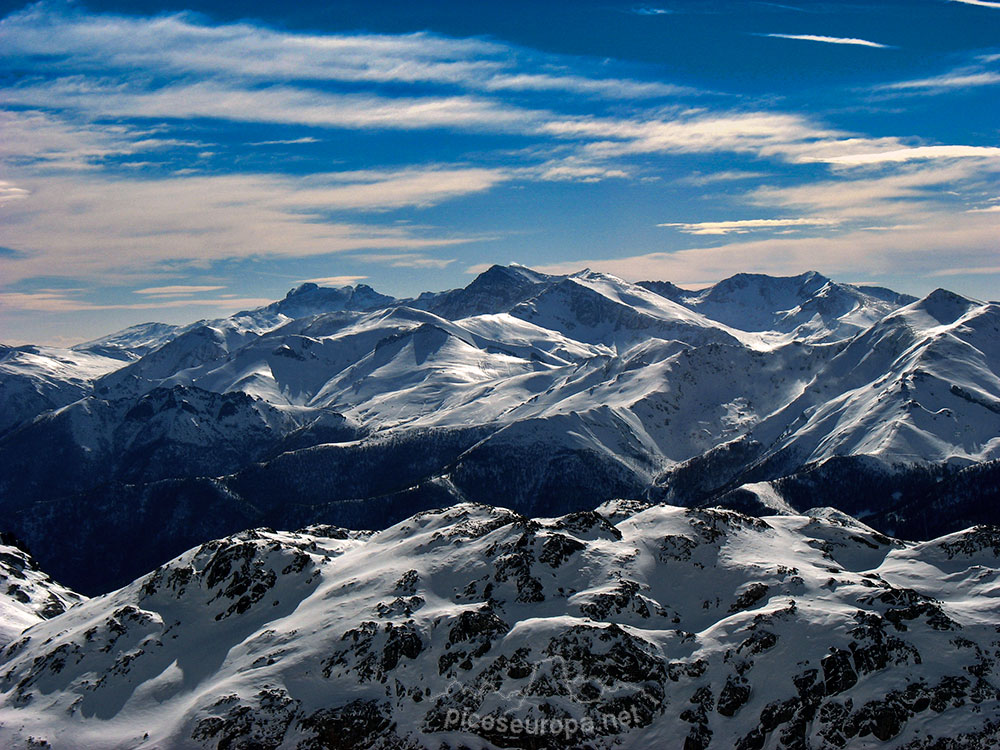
x=56, y=301
x=956, y=80
x=10, y=192
x=285, y=142
x=579, y=172
x=748, y=225
x=981, y=3
x=829, y=40
x=916, y=252
x=336, y=281
x=381, y=190
x=613, y=88
x=917, y=152
x=404, y=260
x=176, y=289
x=906, y=195
x=978, y=270
x=180, y=44
x=129, y=228
x=272, y=104
x=47, y=141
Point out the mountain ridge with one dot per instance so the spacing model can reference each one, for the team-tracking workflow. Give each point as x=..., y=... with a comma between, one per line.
x=631, y=626
x=548, y=393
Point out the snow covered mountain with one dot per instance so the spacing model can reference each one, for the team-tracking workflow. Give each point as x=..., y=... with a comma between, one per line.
x=131, y=343
x=29, y=595
x=808, y=307
x=36, y=379
x=547, y=394
x=474, y=627
x=919, y=388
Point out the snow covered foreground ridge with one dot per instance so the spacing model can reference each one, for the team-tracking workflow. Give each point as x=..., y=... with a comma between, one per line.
x=547, y=394
x=29, y=594
x=473, y=627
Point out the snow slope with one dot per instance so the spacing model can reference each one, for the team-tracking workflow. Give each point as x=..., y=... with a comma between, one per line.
x=35, y=379
x=921, y=385
x=131, y=343
x=634, y=627
x=27, y=594
x=807, y=307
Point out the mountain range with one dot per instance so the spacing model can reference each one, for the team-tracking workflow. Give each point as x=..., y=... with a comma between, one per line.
x=537, y=512
x=544, y=394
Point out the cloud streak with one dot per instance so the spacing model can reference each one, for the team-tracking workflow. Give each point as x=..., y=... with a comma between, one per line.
x=919, y=152
x=946, y=82
x=54, y=301
x=180, y=44
x=140, y=148
x=126, y=228
x=916, y=250
x=829, y=40
x=747, y=225
x=176, y=290
x=980, y=3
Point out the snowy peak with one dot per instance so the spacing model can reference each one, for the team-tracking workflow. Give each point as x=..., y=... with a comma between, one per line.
x=945, y=307
x=808, y=306
x=495, y=290
x=548, y=393
x=312, y=299
x=599, y=308
x=922, y=384
x=774, y=290
x=131, y=343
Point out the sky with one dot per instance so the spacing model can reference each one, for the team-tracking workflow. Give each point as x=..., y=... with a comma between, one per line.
x=172, y=161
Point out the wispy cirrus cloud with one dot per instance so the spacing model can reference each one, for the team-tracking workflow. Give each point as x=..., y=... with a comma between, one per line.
x=109, y=173
x=945, y=82
x=917, y=250
x=829, y=40
x=271, y=104
x=125, y=227
x=743, y=226
x=960, y=271
x=182, y=45
x=56, y=301
x=907, y=195
x=176, y=290
x=285, y=141
x=404, y=260
x=980, y=3
x=915, y=153
x=345, y=280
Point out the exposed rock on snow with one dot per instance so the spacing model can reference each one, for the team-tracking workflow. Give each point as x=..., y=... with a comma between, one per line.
x=27, y=594
x=476, y=627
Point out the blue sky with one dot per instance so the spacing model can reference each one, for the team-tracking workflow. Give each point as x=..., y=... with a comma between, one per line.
x=177, y=160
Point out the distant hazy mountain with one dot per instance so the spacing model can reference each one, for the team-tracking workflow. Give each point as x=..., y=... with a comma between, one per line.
x=546, y=394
